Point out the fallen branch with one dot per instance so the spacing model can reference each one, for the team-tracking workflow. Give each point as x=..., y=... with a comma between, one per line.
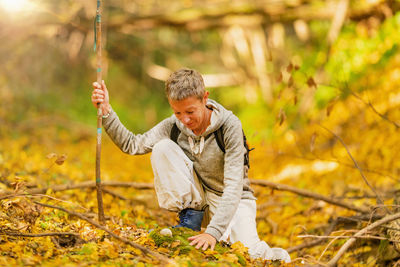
x=276, y=11
x=94, y=215
x=91, y=184
x=306, y=193
x=39, y=235
x=305, y=245
x=276, y=186
x=137, y=246
x=345, y=237
x=88, y=184
x=361, y=218
x=55, y=242
x=350, y=242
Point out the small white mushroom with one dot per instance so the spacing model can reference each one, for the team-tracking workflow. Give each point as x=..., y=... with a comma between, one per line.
x=166, y=232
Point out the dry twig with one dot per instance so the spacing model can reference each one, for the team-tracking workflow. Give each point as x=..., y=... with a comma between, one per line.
x=91, y=184
x=314, y=242
x=379, y=199
x=40, y=234
x=350, y=242
x=112, y=193
x=306, y=193
x=146, y=251
x=360, y=218
x=384, y=117
x=346, y=236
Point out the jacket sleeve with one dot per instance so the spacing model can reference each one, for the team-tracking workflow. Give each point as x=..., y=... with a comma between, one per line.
x=135, y=144
x=233, y=178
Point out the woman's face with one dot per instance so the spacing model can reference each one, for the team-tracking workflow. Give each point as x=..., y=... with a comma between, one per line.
x=191, y=112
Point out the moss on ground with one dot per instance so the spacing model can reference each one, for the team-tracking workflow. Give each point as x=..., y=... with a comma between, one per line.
x=223, y=254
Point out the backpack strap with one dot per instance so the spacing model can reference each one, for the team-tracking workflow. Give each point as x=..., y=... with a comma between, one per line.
x=248, y=149
x=175, y=132
x=219, y=137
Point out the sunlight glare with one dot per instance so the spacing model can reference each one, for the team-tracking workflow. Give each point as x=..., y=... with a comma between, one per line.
x=15, y=5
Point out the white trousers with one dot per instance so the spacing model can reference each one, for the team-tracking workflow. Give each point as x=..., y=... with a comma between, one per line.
x=177, y=188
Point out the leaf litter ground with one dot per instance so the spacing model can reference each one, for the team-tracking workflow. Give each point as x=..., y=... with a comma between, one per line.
x=50, y=156
x=27, y=163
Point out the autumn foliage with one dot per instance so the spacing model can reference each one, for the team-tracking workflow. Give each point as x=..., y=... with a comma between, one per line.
x=322, y=114
x=312, y=158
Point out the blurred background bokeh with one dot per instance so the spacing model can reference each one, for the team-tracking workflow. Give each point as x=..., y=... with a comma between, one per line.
x=270, y=61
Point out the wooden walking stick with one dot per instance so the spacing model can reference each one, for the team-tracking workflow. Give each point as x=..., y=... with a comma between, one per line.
x=97, y=48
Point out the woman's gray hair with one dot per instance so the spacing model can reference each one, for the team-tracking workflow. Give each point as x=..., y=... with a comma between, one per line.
x=184, y=83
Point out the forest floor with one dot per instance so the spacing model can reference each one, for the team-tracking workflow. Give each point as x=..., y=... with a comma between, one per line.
x=37, y=157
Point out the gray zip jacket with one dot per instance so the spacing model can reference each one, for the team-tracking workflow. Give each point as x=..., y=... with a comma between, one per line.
x=221, y=173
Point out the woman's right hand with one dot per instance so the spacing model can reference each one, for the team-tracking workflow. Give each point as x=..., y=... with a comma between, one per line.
x=100, y=95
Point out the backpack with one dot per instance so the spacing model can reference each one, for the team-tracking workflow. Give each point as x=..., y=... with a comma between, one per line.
x=219, y=137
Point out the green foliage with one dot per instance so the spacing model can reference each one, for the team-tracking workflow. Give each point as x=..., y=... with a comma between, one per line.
x=324, y=94
x=88, y=248
x=63, y=87
x=362, y=49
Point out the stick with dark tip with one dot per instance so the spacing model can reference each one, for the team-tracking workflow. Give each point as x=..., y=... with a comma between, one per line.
x=99, y=113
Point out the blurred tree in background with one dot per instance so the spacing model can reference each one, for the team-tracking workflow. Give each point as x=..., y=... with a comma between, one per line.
x=256, y=56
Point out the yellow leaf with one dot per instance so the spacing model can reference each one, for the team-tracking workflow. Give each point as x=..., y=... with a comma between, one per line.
x=163, y=250
x=175, y=243
x=210, y=252
x=230, y=257
x=60, y=160
x=49, y=191
x=239, y=247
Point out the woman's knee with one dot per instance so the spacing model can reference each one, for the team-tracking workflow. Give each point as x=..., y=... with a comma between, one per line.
x=163, y=146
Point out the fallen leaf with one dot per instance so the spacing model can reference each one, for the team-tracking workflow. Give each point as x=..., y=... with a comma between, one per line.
x=175, y=243
x=60, y=160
